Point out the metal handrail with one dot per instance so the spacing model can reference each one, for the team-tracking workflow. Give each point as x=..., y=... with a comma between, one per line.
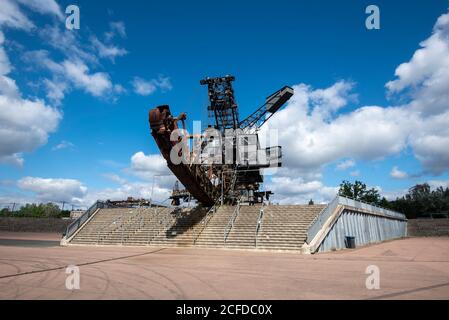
x=163, y=221
x=230, y=224
x=75, y=225
x=205, y=222
x=259, y=223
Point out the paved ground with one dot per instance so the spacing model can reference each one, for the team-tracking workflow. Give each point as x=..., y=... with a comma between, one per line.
x=416, y=268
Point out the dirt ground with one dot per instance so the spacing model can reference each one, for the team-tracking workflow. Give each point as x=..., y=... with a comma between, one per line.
x=33, y=266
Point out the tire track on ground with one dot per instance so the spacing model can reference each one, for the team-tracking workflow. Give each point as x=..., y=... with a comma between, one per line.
x=80, y=265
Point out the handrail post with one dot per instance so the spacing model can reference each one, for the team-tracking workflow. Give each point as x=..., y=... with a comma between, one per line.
x=258, y=224
x=230, y=224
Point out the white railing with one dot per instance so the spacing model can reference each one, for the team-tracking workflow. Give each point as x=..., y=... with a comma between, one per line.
x=319, y=221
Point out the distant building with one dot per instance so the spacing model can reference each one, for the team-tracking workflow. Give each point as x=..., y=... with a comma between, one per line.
x=75, y=214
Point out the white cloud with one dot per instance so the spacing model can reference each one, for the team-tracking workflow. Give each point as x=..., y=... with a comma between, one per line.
x=344, y=165
x=116, y=27
x=72, y=73
x=355, y=173
x=147, y=87
x=5, y=65
x=58, y=190
x=438, y=183
x=56, y=90
x=63, y=145
x=108, y=51
x=12, y=16
x=312, y=135
x=147, y=166
x=44, y=7
x=24, y=124
x=143, y=87
x=115, y=178
x=289, y=189
x=137, y=190
x=68, y=43
x=398, y=174
x=426, y=79
x=96, y=84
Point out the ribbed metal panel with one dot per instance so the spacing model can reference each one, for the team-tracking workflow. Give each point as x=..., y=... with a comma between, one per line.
x=366, y=229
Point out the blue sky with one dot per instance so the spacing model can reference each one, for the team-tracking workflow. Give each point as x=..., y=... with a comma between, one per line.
x=87, y=92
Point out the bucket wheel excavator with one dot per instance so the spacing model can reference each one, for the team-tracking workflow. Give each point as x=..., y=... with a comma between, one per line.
x=234, y=142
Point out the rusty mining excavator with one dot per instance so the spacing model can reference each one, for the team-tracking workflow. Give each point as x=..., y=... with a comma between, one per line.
x=226, y=160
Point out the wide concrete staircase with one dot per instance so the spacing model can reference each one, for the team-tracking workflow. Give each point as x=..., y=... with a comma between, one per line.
x=141, y=226
x=103, y=223
x=285, y=227
x=182, y=230
x=213, y=233
x=243, y=232
x=281, y=228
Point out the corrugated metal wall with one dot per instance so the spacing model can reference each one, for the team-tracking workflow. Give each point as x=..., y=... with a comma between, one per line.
x=365, y=228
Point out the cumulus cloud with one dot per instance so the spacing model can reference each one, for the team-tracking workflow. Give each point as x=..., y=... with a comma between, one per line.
x=425, y=78
x=148, y=166
x=344, y=165
x=313, y=135
x=316, y=129
x=71, y=73
x=24, y=124
x=289, y=190
x=137, y=190
x=147, y=87
x=108, y=51
x=68, y=190
x=78, y=73
x=398, y=174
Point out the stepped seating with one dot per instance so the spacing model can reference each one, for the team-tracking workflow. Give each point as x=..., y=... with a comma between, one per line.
x=212, y=235
x=183, y=229
x=243, y=233
x=285, y=227
x=142, y=226
x=104, y=222
x=282, y=227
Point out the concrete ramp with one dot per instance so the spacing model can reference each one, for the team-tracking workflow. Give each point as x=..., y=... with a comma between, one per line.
x=345, y=217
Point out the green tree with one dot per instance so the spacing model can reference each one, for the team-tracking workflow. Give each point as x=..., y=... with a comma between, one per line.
x=359, y=191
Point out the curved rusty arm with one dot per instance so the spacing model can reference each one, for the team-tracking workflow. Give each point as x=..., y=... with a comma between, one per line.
x=194, y=178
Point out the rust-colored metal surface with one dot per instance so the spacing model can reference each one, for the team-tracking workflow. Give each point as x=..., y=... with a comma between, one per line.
x=193, y=177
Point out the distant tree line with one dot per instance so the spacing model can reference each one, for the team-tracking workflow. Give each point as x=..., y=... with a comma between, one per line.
x=420, y=200
x=48, y=210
